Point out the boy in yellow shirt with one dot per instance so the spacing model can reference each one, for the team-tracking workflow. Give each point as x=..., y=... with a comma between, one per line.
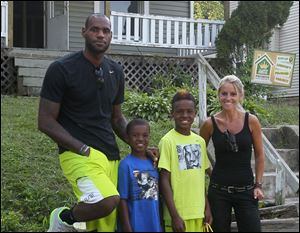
x=182, y=164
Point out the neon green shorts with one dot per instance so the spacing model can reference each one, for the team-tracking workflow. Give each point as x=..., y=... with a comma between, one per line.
x=93, y=178
x=191, y=225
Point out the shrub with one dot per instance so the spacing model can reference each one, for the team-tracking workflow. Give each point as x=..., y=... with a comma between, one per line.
x=148, y=107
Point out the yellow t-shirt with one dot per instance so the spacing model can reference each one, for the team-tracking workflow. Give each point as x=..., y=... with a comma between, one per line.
x=186, y=159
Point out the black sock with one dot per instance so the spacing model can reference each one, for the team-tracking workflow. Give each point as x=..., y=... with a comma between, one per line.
x=67, y=216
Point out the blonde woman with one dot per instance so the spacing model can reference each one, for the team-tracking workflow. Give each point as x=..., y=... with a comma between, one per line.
x=234, y=133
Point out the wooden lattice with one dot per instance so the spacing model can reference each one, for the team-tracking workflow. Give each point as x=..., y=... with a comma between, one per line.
x=8, y=74
x=139, y=70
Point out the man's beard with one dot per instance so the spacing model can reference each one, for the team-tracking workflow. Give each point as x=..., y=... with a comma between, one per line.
x=93, y=49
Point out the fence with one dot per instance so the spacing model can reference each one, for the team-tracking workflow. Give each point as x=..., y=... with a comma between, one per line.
x=162, y=31
x=139, y=69
x=8, y=74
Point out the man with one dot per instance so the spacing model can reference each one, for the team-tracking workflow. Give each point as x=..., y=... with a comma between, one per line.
x=80, y=107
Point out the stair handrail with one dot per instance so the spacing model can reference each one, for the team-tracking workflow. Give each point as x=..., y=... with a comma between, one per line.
x=275, y=159
x=283, y=171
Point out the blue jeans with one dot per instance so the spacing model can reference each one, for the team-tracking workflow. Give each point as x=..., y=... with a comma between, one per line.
x=245, y=209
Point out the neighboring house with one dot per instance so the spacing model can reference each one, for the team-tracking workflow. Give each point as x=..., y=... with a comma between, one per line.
x=285, y=39
x=155, y=27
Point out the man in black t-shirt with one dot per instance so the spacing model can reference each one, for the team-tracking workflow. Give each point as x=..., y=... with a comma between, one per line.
x=80, y=107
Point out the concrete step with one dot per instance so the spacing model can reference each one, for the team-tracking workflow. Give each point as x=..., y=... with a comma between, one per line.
x=269, y=181
x=276, y=225
x=37, y=53
x=289, y=210
x=283, y=137
x=279, y=218
x=290, y=156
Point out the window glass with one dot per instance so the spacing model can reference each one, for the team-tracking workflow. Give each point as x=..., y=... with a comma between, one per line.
x=124, y=6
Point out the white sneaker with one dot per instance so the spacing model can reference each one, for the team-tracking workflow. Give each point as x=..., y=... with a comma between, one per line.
x=57, y=225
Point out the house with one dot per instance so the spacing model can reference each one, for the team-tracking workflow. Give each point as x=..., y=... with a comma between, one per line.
x=162, y=27
x=40, y=31
x=285, y=39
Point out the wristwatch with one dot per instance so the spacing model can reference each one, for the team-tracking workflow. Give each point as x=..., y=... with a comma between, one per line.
x=84, y=149
x=258, y=185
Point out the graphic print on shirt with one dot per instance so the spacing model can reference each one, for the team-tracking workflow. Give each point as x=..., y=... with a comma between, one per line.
x=189, y=156
x=148, y=185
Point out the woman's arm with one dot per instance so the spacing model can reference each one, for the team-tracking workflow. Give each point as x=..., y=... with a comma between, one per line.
x=206, y=132
x=259, y=155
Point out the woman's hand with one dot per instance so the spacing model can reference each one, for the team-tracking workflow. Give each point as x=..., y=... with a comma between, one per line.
x=258, y=193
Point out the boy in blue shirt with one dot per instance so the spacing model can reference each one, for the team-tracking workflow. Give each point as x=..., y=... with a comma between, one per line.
x=138, y=184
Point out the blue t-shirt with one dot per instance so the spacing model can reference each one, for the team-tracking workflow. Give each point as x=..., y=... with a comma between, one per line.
x=138, y=184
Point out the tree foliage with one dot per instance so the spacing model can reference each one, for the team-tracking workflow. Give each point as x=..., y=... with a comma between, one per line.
x=250, y=27
x=212, y=10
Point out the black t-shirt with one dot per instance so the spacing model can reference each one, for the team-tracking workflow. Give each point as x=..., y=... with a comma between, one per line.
x=85, y=109
x=232, y=168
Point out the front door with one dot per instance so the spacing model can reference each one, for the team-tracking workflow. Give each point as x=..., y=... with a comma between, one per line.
x=58, y=25
x=28, y=24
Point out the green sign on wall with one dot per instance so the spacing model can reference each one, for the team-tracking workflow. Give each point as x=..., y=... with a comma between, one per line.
x=273, y=68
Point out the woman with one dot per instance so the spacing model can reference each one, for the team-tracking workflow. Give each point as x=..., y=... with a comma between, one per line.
x=232, y=185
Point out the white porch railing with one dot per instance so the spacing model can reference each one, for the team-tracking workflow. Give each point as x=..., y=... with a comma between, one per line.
x=4, y=21
x=162, y=31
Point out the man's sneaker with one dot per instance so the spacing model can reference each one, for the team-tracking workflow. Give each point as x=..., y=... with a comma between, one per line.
x=56, y=224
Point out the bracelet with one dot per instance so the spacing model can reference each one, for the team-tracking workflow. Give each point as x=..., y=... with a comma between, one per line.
x=83, y=149
x=258, y=185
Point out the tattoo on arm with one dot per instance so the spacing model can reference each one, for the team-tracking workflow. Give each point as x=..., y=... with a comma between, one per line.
x=119, y=126
x=47, y=123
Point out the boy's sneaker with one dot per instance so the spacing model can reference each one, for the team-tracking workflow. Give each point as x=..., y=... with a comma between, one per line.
x=57, y=225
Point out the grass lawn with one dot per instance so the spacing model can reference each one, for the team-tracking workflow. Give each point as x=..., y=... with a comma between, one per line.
x=32, y=183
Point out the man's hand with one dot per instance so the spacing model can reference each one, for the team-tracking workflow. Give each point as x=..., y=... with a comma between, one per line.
x=153, y=154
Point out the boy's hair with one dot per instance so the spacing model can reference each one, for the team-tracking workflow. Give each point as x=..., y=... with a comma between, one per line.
x=182, y=95
x=135, y=122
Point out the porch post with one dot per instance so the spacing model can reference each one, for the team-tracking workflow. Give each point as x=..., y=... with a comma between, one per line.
x=97, y=7
x=202, y=80
x=10, y=24
x=107, y=8
x=146, y=7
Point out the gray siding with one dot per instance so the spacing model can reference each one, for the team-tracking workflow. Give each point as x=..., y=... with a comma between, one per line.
x=79, y=10
x=289, y=42
x=170, y=8
x=121, y=49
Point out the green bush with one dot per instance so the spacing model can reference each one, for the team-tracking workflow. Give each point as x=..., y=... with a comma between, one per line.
x=148, y=107
x=156, y=104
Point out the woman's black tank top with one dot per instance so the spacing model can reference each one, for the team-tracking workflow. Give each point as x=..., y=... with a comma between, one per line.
x=232, y=168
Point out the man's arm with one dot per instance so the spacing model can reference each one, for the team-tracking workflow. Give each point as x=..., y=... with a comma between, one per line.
x=47, y=123
x=119, y=123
